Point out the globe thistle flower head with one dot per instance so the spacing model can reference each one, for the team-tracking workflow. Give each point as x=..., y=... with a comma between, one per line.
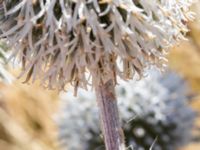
x=70, y=41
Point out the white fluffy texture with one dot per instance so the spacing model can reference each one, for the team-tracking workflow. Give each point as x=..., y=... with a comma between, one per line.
x=60, y=41
x=137, y=99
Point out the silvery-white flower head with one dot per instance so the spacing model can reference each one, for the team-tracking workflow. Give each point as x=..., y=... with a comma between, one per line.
x=71, y=41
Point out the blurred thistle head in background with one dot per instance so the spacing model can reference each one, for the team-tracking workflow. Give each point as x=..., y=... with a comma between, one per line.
x=74, y=41
x=153, y=109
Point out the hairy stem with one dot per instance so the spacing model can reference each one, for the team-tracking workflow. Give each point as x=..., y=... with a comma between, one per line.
x=110, y=122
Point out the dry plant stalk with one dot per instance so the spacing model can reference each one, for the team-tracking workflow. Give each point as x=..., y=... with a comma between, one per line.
x=90, y=42
x=113, y=134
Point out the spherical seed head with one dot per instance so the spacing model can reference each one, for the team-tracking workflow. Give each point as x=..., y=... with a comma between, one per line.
x=70, y=41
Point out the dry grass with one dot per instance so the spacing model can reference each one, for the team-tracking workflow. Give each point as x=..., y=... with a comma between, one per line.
x=25, y=118
x=185, y=58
